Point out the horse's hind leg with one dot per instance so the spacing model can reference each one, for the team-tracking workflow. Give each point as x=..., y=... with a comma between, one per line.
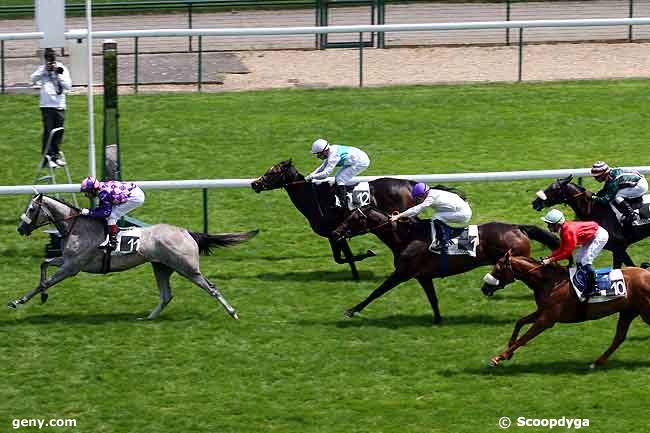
x=430, y=290
x=163, y=274
x=206, y=285
x=624, y=320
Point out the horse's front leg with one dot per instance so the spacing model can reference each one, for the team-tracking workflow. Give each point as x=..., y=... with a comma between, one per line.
x=342, y=245
x=520, y=323
x=430, y=290
x=393, y=280
x=540, y=325
x=56, y=261
x=60, y=275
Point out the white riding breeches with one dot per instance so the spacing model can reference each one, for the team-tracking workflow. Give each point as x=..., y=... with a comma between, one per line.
x=345, y=174
x=587, y=253
x=638, y=190
x=136, y=198
x=461, y=215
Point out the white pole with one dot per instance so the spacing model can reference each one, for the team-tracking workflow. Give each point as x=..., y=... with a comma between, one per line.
x=91, y=108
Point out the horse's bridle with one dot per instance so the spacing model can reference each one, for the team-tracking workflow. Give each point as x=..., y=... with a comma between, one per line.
x=368, y=230
x=50, y=218
x=284, y=184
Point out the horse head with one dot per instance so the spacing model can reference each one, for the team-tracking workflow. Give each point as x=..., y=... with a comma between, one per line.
x=33, y=217
x=501, y=275
x=278, y=176
x=361, y=221
x=556, y=193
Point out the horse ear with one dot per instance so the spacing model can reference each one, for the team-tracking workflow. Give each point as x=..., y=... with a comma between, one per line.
x=565, y=179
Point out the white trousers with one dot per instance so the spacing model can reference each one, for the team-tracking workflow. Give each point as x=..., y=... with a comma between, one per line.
x=636, y=191
x=136, y=198
x=586, y=254
x=345, y=174
x=459, y=216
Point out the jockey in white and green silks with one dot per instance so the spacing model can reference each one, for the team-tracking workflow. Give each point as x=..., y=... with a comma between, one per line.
x=351, y=160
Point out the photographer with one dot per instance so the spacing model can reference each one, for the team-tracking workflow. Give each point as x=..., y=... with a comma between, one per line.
x=55, y=81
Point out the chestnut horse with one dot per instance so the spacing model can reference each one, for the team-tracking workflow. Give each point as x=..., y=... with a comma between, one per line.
x=409, y=241
x=557, y=301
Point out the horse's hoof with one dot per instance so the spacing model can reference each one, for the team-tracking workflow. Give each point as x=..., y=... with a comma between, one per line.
x=437, y=320
x=234, y=315
x=494, y=361
x=593, y=366
x=12, y=304
x=44, y=297
x=349, y=313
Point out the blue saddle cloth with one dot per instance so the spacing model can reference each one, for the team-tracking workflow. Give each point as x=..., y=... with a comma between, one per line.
x=580, y=280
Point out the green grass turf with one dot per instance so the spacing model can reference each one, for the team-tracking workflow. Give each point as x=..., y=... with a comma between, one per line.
x=294, y=363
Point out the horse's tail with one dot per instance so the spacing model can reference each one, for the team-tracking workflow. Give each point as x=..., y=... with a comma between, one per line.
x=206, y=241
x=540, y=235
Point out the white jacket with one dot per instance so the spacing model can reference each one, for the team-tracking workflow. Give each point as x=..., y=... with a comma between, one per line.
x=340, y=155
x=48, y=80
x=441, y=201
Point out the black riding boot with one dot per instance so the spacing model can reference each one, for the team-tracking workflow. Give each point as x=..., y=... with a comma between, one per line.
x=341, y=192
x=112, y=236
x=442, y=236
x=591, y=280
x=628, y=213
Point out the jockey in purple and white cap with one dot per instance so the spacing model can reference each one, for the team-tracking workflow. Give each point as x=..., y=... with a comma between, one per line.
x=116, y=199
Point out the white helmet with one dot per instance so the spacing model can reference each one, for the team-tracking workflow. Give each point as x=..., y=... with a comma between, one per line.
x=319, y=146
x=554, y=216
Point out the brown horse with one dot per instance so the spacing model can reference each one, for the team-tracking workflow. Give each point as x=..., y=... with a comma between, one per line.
x=409, y=241
x=557, y=302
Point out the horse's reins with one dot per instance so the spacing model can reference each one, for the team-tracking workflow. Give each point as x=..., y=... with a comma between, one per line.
x=50, y=218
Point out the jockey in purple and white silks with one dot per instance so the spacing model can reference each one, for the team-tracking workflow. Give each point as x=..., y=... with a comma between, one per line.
x=449, y=207
x=351, y=160
x=116, y=199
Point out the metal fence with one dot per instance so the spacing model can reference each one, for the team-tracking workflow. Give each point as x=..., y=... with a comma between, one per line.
x=291, y=13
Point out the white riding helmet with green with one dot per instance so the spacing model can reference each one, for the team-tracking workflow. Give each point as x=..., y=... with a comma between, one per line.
x=554, y=216
x=319, y=146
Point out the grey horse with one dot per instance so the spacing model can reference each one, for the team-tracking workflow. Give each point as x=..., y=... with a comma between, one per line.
x=169, y=249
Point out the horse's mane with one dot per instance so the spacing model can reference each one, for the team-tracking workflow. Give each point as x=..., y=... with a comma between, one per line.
x=451, y=189
x=60, y=200
x=554, y=267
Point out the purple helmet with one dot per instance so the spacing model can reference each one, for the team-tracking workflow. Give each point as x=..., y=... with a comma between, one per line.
x=89, y=184
x=420, y=189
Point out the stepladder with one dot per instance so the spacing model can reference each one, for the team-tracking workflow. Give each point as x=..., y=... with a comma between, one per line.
x=46, y=171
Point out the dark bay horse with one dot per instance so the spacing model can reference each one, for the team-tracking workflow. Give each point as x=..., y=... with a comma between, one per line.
x=557, y=302
x=169, y=249
x=579, y=199
x=409, y=241
x=315, y=202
